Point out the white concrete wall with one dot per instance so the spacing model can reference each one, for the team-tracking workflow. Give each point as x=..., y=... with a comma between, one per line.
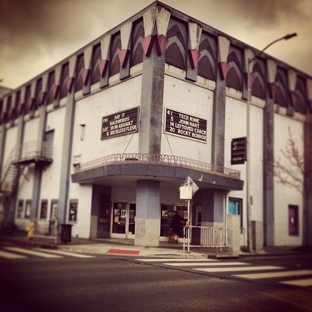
x=82, y=193
x=190, y=99
x=90, y=110
x=25, y=187
x=50, y=181
x=31, y=130
x=235, y=127
x=285, y=195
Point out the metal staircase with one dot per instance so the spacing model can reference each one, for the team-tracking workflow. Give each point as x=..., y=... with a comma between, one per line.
x=29, y=153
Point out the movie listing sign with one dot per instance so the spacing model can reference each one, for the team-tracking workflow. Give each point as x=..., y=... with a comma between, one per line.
x=186, y=125
x=122, y=123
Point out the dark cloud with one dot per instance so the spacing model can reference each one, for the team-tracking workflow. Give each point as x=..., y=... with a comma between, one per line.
x=35, y=34
x=266, y=13
x=27, y=25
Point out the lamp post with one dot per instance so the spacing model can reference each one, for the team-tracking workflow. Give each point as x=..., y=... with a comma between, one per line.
x=249, y=229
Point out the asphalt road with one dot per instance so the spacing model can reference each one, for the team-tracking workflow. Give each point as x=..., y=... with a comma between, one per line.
x=123, y=283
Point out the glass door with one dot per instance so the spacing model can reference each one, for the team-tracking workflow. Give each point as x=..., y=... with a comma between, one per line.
x=123, y=220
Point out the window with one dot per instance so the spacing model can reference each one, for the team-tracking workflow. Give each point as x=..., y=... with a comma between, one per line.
x=73, y=209
x=20, y=209
x=293, y=225
x=236, y=208
x=44, y=209
x=28, y=209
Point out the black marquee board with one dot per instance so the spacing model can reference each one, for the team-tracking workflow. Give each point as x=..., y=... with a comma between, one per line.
x=185, y=125
x=121, y=123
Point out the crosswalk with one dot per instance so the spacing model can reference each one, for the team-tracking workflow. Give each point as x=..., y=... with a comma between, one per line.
x=23, y=253
x=300, y=277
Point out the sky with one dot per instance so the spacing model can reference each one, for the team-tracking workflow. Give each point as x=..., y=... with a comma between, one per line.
x=36, y=34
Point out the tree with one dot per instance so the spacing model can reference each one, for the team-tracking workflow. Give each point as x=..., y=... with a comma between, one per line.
x=289, y=170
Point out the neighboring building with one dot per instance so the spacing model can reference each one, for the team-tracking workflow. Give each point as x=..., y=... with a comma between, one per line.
x=104, y=139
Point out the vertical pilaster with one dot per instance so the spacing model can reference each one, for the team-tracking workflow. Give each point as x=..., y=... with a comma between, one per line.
x=147, y=222
x=151, y=107
x=212, y=202
x=5, y=202
x=40, y=139
x=307, y=214
x=268, y=156
x=19, y=140
x=67, y=145
x=218, y=120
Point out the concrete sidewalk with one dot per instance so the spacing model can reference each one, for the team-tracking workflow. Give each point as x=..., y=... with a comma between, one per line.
x=126, y=247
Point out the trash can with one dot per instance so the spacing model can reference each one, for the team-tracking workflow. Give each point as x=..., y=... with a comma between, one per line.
x=66, y=233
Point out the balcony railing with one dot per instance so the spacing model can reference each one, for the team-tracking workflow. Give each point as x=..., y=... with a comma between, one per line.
x=29, y=150
x=170, y=160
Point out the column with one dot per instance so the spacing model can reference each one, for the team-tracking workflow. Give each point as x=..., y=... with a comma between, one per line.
x=147, y=223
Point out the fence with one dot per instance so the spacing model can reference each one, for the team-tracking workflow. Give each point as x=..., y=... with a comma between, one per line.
x=204, y=236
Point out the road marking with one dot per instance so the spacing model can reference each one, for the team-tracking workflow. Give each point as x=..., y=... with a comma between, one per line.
x=123, y=251
x=207, y=264
x=65, y=253
x=274, y=274
x=30, y=252
x=175, y=260
x=9, y=255
x=302, y=282
x=248, y=268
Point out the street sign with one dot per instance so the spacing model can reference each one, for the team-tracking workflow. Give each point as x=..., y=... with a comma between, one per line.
x=238, y=151
x=191, y=184
x=186, y=192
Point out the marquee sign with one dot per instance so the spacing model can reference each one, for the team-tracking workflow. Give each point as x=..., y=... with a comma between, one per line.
x=121, y=123
x=186, y=125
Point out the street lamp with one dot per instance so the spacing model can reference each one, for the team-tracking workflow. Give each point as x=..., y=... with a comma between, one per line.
x=249, y=229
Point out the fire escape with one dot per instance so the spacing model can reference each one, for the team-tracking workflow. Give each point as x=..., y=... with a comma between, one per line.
x=30, y=153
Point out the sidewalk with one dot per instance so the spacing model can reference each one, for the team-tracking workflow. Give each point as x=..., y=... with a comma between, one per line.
x=126, y=247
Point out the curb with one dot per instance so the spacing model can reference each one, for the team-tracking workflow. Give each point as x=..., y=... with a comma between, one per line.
x=31, y=243
x=129, y=250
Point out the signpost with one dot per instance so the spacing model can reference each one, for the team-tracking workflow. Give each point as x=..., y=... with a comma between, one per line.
x=187, y=190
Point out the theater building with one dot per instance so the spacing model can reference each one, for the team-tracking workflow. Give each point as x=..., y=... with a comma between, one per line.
x=104, y=139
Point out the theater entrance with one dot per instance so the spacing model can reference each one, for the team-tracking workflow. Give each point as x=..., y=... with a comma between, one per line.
x=123, y=220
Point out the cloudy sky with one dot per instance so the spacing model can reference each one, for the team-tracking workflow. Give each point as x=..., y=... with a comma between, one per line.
x=36, y=34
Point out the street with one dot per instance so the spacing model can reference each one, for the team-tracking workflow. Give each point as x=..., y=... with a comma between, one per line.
x=93, y=282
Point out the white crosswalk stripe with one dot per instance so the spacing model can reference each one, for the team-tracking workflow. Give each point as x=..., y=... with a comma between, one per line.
x=249, y=268
x=9, y=255
x=302, y=282
x=31, y=252
x=22, y=253
x=274, y=274
x=206, y=264
x=175, y=260
x=217, y=266
x=65, y=253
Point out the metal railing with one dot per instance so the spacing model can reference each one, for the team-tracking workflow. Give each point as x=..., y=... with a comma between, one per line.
x=170, y=160
x=206, y=236
x=29, y=152
x=32, y=149
x=35, y=149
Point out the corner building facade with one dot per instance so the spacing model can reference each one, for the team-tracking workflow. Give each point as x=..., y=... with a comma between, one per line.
x=104, y=139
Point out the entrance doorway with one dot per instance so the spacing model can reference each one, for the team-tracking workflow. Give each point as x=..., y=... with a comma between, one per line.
x=167, y=213
x=123, y=220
